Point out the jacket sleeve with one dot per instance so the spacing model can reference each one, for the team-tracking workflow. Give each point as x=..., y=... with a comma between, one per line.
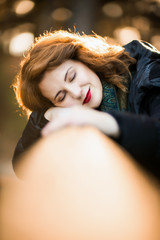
x=140, y=133
x=30, y=134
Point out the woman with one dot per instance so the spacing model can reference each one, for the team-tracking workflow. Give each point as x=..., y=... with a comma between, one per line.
x=83, y=80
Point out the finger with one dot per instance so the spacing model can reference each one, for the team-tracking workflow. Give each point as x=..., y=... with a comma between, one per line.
x=49, y=113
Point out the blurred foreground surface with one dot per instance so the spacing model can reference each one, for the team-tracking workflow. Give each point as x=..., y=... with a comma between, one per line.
x=80, y=193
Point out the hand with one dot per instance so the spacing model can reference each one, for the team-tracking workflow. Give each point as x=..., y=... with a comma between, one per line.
x=80, y=115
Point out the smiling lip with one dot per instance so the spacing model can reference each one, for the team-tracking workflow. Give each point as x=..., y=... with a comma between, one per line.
x=88, y=97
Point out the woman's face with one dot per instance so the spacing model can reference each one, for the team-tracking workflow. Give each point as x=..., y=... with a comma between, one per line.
x=72, y=83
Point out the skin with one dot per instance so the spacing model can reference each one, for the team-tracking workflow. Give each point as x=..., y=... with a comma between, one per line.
x=80, y=116
x=66, y=87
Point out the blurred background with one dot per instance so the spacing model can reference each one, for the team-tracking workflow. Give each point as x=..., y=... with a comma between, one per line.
x=21, y=21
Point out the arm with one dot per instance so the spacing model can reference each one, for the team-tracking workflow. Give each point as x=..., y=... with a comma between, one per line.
x=30, y=135
x=80, y=115
x=140, y=134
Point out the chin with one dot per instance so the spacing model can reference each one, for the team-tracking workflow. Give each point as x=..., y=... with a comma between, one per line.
x=95, y=106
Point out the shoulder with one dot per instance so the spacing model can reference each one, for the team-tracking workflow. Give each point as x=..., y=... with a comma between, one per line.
x=37, y=119
x=147, y=70
x=145, y=73
x=138, y=49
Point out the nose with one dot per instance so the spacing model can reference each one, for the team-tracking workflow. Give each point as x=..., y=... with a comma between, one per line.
x=74, y=90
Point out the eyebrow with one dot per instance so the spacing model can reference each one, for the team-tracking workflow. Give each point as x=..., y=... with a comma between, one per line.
x=65, y=78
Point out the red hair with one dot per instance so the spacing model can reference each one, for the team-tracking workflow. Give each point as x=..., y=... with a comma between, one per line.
x=53, y=48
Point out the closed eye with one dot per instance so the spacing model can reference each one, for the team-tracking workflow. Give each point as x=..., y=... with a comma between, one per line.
x=73, y=77
x=62, y=98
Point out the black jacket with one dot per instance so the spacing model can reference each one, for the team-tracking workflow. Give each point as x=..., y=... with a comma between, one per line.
x=140, y=127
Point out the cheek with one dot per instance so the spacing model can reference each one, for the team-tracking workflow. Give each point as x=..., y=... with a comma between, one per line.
x=70, y=103
x=67, y=103
x=99, y=85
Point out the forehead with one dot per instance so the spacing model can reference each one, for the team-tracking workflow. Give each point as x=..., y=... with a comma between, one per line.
x=61, y=68
x=57, y=74
x=57, y=71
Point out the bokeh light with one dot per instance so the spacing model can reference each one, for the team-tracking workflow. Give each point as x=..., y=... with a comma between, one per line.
x=112, y=9
x=61, y=14
x=155, y=40
x=141, y=23
x=23, y=7
x=2, y=1
x=126, y=34
x=20, y=43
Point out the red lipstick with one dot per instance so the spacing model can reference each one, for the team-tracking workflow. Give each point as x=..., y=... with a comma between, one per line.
x=88, y=97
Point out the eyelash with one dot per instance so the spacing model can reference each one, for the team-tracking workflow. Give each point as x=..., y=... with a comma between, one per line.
x=61, y=100
x=73, y=77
